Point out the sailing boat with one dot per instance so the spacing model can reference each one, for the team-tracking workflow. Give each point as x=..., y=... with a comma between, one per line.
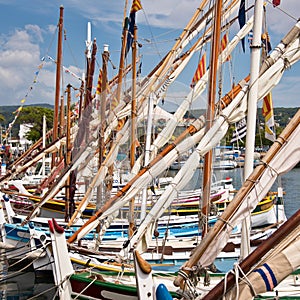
x=265, y=174
x=110, y=212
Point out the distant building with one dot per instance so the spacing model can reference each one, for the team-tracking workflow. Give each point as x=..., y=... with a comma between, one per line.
x=24, y=143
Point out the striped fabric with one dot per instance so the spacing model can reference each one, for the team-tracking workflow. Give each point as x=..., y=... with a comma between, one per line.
x=224, y=42
x=268, y=276
x=136, y=6
x=267, y=112
x=200, y=70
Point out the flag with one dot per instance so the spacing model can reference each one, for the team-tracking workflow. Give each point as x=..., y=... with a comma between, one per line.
x=136, y=6
x=224, y=42
x=200, y=70
x=242, y=20
x=139, y=70
x=276, y=2
x=265, y=38
x=267, y=112
x=240, y=130
x=165, y=85
x=250, y=37
x=99, y=83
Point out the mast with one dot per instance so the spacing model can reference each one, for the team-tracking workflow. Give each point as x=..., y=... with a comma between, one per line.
x=101, y=190
x=90, y=74
x=58, y=76
x=44, y=145
x=133, y=126
x=68, y=154
x=215, y=46
x=121, y=64
x=147, y=153
x=251, y=116
x=105, y=58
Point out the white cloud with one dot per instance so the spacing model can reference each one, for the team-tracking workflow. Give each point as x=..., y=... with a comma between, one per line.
x=18, y=56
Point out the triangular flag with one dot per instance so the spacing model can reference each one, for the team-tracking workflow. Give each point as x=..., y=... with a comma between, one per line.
x=242, y=20
x=200, y=70
x=267, y=112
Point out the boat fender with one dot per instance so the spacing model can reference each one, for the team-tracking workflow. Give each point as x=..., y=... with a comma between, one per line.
x=162, y=293
x=144, y=265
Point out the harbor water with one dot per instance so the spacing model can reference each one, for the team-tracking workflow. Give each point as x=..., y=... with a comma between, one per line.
x=26, y=285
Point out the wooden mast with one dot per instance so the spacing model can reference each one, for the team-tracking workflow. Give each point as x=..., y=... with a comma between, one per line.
x=215, y=46
x=121, y=64
x=105, y=59
x=133, y=126
x=68, y=153
x=58, y=77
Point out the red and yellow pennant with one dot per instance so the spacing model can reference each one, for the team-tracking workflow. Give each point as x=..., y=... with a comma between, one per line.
x=200, y=70
x=136, y=6
x=224, y=43
x=267, y=112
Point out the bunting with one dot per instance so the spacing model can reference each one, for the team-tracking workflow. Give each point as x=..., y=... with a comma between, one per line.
x=200, y=70
x=224, y=42
x=66, y=70
x=268, y=114
x=136, y=6
x=242, y=20
x=240, y=131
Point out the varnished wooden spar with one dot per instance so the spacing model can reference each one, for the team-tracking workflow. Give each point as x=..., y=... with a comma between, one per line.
x=210, y=111
x=284, y=230
x=58, y=78
x=238, y=199
x=133, y=137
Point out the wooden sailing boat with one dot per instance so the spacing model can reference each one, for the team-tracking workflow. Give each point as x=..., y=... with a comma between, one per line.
x=202, y=255
x=107, y=213
x=104, y=211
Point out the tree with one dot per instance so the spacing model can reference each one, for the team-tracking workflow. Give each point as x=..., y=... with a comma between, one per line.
x=34, y=115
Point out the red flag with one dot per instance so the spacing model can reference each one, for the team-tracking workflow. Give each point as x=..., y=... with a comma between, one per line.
x=136, y=6
x=224, y=43
x=200, y=70
x=276, y=2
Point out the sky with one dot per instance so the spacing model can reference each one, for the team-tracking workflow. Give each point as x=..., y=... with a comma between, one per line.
x=28, y=43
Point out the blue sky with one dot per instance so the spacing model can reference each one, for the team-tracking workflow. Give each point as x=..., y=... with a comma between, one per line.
x=28, y=33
